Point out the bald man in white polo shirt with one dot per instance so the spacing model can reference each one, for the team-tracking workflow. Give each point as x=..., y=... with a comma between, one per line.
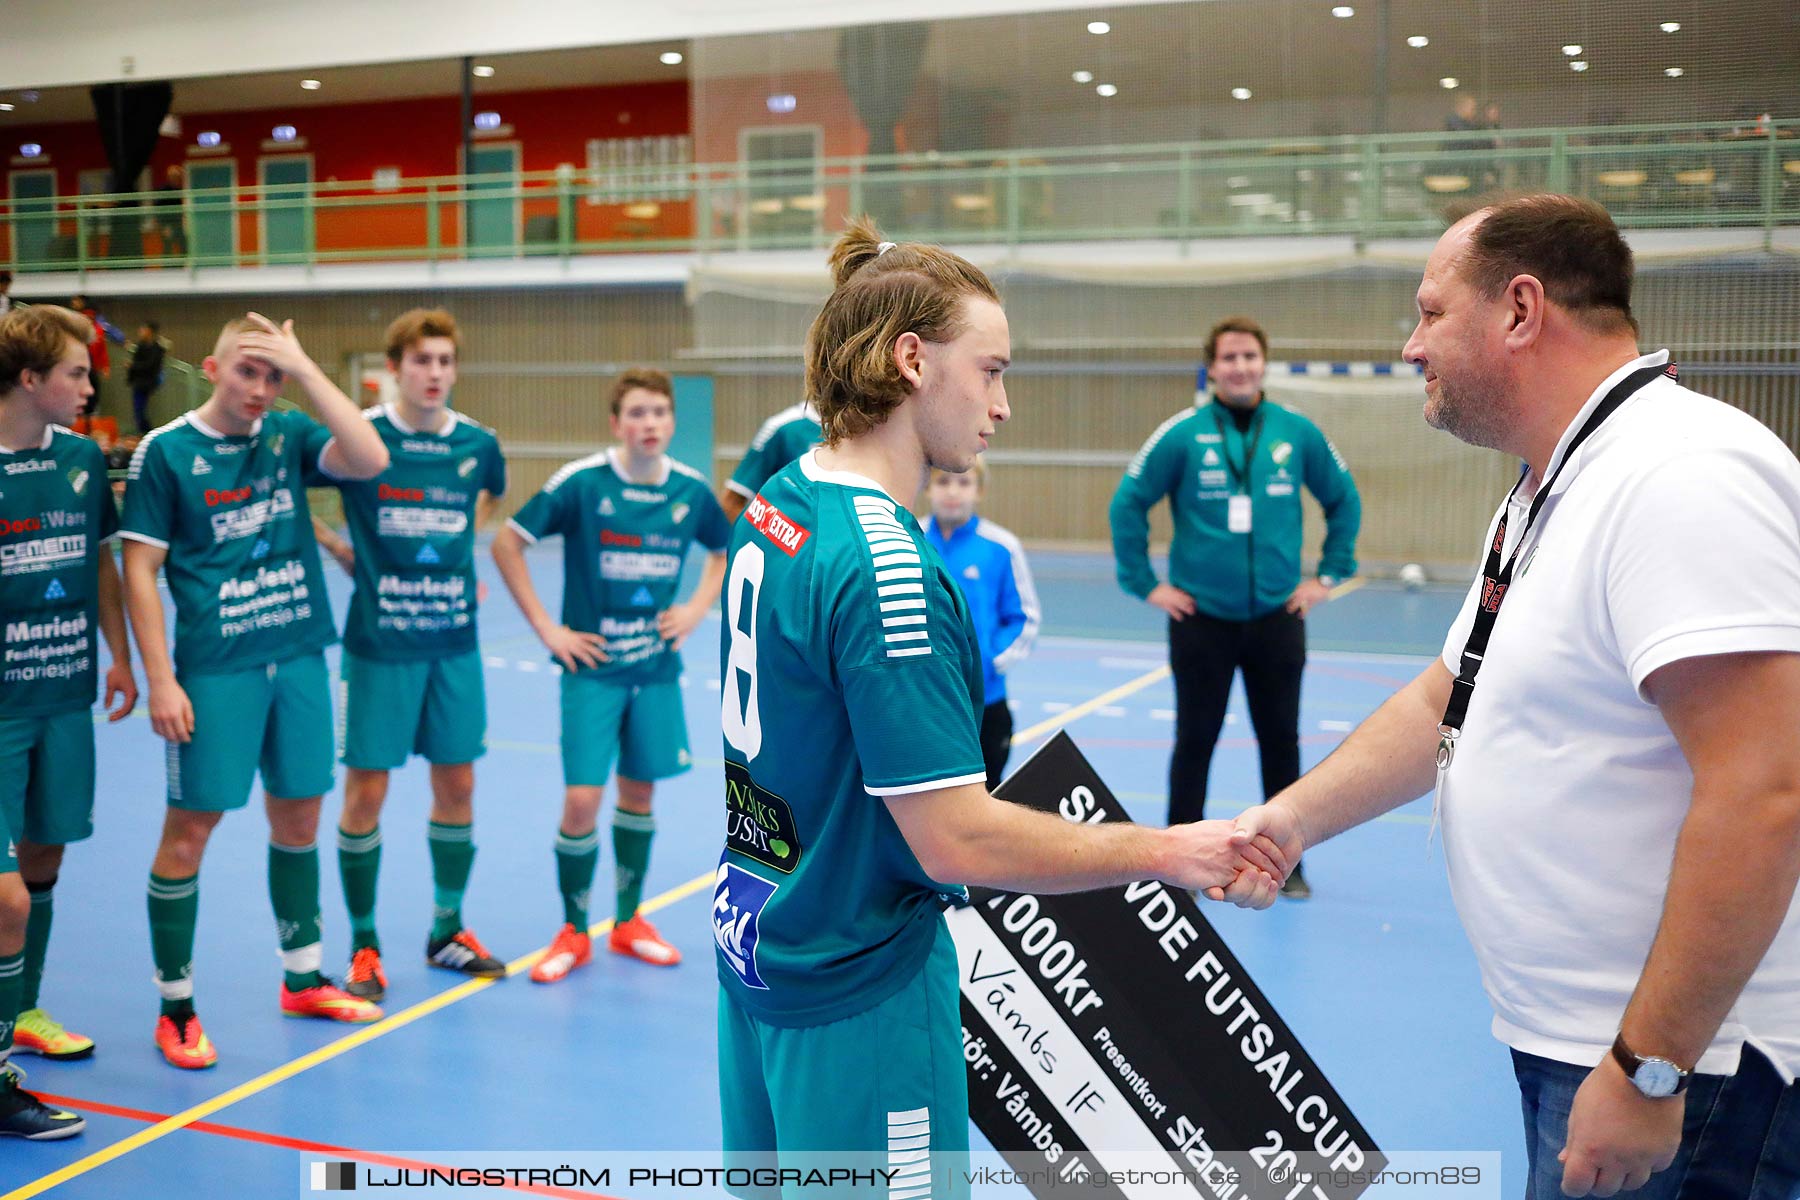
x=1613, y=729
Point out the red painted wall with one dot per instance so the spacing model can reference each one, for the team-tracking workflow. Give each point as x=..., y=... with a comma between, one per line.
x=349, y=142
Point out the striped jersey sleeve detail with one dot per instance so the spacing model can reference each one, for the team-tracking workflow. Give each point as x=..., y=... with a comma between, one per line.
x=899, y=578
x=569, y=469
x=772, y=426
x=143, y=447
x=1137, y=462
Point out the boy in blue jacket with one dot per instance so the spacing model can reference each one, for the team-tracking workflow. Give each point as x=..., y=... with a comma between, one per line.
x=989, y=565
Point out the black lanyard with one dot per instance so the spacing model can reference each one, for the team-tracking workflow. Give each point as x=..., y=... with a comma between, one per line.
x=1496, y=579
x=1241, y=478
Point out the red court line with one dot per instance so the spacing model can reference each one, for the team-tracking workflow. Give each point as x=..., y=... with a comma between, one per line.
x=288, y=1143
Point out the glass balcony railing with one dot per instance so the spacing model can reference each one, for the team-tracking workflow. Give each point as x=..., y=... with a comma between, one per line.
x=1715, y=175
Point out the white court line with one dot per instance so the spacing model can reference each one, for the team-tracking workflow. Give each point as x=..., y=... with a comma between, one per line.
x=1074, y=643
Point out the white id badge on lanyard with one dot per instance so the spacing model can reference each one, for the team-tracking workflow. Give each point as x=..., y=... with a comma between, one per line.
x=1237, y=514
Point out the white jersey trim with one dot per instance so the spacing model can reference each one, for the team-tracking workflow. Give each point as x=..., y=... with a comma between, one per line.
x=50, y=432
x=809, y=466
x=1022, y=583
x=787, y=416
x=143, y=446
x=935, y=785
x=1137, y=462
x=530, y=537
x=572, y=468
x=145, y=538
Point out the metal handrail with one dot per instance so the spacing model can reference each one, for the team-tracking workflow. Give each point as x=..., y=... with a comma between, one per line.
x=1373, y=186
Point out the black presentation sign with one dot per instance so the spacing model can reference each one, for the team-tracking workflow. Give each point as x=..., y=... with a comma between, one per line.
x=1114, y=1029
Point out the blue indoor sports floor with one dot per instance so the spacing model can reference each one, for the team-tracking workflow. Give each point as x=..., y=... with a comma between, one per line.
x=1373, y=973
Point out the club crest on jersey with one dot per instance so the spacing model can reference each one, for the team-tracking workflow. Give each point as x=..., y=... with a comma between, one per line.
x=466, y=468
x=1280, y=452
x=679, y=512
x=201, y=466
x=739, y=898
x=78, y=480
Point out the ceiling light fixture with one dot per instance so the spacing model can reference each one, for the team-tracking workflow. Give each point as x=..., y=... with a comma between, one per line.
x=1418, y=41
x=1107, y=89
x=487, y=120
x=1572, y=51
x=30, y=150
x=1578, y=65
x=5, y=107
x=1083, y=77
x=1674, y=72
x=1240, y=93
x=1343, y=10
x=482, y=72
x=208, y=139
x=1671, y=26
x=1448, y=82
x=671, y=58
x=283, y=133
x=1099, y=27
x=310, y=85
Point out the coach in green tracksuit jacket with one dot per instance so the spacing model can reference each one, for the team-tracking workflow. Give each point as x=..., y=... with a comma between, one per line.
x=1231, y=469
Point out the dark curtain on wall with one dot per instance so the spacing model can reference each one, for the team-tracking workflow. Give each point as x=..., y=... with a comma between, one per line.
x=130, y=114
x=879, y=65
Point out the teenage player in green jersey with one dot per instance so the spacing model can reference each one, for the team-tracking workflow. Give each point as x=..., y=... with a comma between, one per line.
x=626, y=518
x=856, y=797
x=412, y=675
x=781, y=439
x=217, y=501
x=58, y=586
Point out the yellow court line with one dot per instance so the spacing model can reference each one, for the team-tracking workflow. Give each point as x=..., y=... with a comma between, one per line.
x=323, y=1054
x=1081, y=710
x=1125, y=689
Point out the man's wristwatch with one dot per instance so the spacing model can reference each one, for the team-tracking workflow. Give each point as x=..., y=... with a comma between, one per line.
x=1655, y=1077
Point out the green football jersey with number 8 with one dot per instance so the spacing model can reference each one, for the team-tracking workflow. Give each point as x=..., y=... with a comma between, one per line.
x=850, y=672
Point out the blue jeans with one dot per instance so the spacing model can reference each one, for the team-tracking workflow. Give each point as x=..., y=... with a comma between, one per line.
x=1740, y=1137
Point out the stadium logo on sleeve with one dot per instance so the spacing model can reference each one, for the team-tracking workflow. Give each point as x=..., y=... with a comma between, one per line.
x=773, y=524
x=739, y=898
